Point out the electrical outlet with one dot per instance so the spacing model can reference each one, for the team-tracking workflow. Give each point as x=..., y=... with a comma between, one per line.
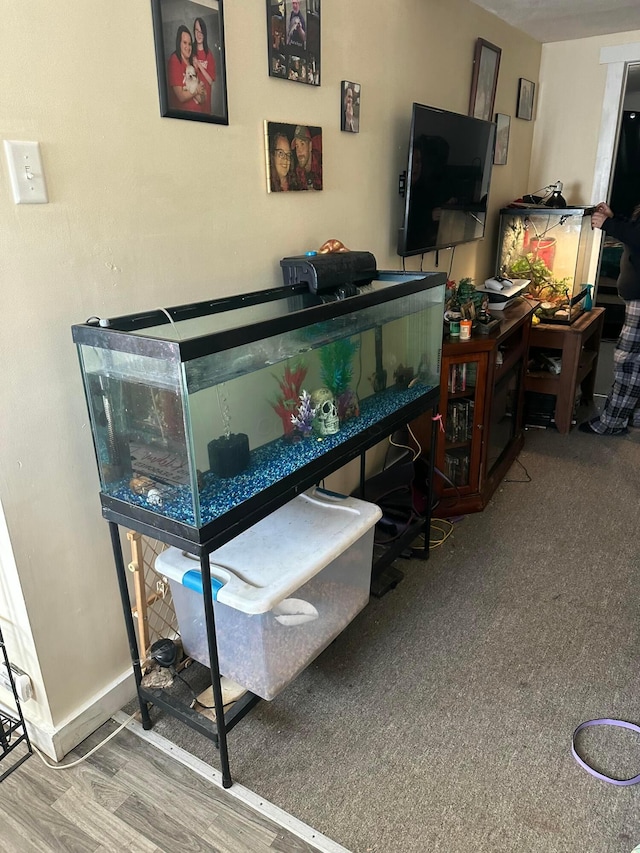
x=24, y=688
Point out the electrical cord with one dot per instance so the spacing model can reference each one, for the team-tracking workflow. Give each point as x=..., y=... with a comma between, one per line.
x=445, y=533
x=416, y=453
x=91, y=751
x=527, y=475
x=194, y=695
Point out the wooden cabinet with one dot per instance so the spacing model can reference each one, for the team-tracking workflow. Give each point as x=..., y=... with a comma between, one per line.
x=481, y=405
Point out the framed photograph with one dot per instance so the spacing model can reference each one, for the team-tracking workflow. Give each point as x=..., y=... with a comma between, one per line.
x=294, y=157
x=484, y=80
x=503, y=124
x=526, y=91
x=350, y=107
x=293, y=30
x=190, y=59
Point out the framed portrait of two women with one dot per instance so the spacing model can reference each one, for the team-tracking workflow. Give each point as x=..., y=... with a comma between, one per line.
x=190, y=59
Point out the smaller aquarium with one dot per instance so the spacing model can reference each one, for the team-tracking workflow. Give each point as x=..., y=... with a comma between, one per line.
x=552, y=248
x=206, y=417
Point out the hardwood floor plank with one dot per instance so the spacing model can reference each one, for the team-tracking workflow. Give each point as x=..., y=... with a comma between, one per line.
x=227, y=843
x=39, y=824
x=131, y=746
x=101, y=824
x=109, y=850
x=202, y=806
x=14, y=836
x=230, y=836
x=109, y=761
x=34, y=779
x=167, y=832
x=129, y=796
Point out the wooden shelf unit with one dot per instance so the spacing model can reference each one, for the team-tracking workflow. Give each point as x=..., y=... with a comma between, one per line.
x=579, y=347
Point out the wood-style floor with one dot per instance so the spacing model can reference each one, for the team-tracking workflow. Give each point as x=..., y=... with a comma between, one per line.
x=128, y=796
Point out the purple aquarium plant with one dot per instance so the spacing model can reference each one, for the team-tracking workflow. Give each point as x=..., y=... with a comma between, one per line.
x=302, y=419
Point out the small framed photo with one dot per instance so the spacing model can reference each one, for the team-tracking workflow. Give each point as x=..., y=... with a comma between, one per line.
x=190, y=59
x=294, y=157
x=501, y=150
x=293, y=30
x=350, y=107
x=526, y=92
x=484, y=80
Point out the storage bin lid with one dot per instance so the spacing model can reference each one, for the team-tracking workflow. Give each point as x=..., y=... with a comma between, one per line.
x=275, y=557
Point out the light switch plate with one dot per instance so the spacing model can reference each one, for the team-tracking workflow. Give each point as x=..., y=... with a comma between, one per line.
x=26, y=172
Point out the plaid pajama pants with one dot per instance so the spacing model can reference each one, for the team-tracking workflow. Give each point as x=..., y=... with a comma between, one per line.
x=622, y=406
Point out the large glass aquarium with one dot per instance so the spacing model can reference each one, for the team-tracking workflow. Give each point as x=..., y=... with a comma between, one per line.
x=204, y=416
x=552, y=248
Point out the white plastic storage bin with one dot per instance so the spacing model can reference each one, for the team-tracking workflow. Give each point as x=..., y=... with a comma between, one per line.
x=283, y=590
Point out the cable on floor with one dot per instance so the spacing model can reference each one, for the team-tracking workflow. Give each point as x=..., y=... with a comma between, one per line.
x=437, y=535
x=91, y=751
x=527, y=475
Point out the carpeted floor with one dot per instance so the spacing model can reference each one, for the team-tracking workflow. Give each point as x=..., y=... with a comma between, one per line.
x=441, y=719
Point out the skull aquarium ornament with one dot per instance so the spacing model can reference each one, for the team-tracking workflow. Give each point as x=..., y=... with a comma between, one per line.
x=326, y=421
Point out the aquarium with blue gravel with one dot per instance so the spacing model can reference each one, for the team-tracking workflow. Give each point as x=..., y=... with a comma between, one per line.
x=202, y=412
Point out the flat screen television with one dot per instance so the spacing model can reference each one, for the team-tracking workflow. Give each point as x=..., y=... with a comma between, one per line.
x=447, y=185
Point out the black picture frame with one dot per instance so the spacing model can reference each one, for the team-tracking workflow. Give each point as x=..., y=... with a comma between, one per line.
x=526, y=95
x=350, y=94
x=293, y=40
x=177, y=77
x=484, y=79
x=501, y=149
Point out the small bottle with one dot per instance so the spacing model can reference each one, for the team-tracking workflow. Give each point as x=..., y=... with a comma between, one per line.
x=588, y=300
x=556, y=199
x=465, y=330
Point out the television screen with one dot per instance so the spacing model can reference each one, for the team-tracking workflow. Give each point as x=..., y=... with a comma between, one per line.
x=448, y=174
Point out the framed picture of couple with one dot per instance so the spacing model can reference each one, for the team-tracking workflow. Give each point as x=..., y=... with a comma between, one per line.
x=294, y=157
x=190, y=59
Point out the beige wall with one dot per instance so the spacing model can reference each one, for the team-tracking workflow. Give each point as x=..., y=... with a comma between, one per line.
x=146, y=211
x=569, y=113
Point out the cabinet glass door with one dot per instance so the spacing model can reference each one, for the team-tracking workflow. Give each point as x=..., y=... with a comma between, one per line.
x=503, y=417
x=463, y=398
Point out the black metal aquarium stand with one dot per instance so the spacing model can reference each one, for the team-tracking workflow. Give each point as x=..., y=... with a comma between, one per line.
x=13, y=730
x=384, y=575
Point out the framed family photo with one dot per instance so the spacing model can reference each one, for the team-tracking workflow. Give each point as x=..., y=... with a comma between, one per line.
x=526, y=91
x=501, y=150
x=350, y=107
x=293, y=30
x=190, y=59
x=484, y=80
x=294, y=157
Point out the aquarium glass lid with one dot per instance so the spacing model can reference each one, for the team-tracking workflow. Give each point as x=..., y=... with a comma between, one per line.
x=242, y=316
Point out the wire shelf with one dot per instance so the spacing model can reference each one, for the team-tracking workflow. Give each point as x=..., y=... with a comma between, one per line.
x=14, y=740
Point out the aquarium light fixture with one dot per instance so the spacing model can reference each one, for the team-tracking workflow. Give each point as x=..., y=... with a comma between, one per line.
x=551, y=196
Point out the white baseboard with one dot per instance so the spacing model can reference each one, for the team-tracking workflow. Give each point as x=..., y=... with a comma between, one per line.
x=57, y=741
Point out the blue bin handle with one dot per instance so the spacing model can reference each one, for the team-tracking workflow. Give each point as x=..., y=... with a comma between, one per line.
x=193, y=580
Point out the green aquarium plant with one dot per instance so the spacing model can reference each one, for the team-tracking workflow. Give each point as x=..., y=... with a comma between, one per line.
x=336, y=365
x=543, y=285
x=336, y=371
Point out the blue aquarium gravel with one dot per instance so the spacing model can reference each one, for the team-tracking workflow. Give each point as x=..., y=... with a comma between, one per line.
x=269, y=464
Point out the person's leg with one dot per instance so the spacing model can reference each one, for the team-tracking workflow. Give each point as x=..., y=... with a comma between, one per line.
x=622, y=404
